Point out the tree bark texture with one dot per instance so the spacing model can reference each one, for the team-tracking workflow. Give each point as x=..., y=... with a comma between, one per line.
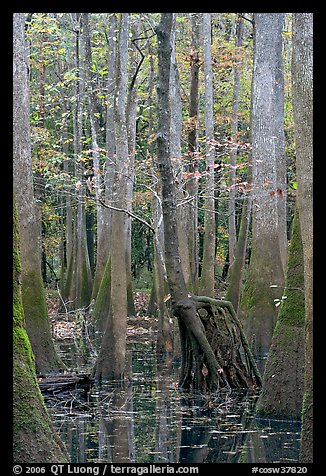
x=302, y=90
x=283, y=383
x=265, y=279
x=110, y=364
x=30, y=416
x=35, y=308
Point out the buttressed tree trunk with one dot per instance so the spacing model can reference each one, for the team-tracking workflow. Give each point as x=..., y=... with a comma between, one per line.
x=79, y=276
x=223, y=365
x=35, y=308
x=302, y=87
x=110, y=364
x=34, y=438
x=282, y=390
x=265, y=279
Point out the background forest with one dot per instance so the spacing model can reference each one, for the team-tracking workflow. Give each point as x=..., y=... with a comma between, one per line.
x=162, y=188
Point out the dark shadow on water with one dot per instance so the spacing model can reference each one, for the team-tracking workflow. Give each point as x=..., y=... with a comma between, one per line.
x=149, y=420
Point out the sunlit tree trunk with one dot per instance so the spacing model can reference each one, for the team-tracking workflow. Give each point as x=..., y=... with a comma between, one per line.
x=208, y=264
x=265, y=279
x=302, y=87
x=33, y=296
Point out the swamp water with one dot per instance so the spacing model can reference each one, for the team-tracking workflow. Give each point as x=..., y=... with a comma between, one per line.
x=150, y=421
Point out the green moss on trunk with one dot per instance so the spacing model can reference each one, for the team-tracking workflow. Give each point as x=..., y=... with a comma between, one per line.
x=102, y=304
x=283, y=384
x=34, y=438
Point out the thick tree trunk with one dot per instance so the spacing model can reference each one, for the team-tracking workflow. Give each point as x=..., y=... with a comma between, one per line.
x=265, y=279
x=282, y=391
x=302, y=84
x=34, y=437
x=35, y=308
x=110, y=364
x=208, y=264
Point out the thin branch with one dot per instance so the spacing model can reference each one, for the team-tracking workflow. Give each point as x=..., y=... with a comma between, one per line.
x=141, y=220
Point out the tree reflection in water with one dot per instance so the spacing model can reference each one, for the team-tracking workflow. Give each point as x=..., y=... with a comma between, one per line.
x=148, y=420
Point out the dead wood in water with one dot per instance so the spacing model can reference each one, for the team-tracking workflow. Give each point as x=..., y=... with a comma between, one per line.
x=60, y=383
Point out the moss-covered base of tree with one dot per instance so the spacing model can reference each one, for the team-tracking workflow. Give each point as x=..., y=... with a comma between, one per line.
x=283, y=386
x=264, y=283
x=38, y=324
x=35, y=440
x=102, y=303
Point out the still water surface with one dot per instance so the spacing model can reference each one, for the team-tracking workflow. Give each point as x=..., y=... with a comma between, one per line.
x=150, y=421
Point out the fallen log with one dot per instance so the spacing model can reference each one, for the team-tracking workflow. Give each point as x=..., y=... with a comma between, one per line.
x=59, y=383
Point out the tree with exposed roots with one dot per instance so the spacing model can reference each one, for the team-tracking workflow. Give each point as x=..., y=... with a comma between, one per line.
x=211, y=335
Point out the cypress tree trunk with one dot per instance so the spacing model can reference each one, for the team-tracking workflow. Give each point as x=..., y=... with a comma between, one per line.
x=265, y=279
x=104, y=239
x=110, y=363
x=33, y=296
x=282, y=390
x=302, y=84
x=79, y=276
x=34, y=438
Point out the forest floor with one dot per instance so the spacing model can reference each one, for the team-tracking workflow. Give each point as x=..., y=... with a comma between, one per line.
x=68, y=325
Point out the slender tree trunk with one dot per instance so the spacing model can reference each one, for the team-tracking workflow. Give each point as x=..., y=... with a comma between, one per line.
x=82, y=271
x=35, y=308
x=265, y=279
x=233, y=293
x=111, y=359
x=302, y=87
x=192, y=185
x=208, y=264
x=131, y=114
x=91, y=97
x=234, y=149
